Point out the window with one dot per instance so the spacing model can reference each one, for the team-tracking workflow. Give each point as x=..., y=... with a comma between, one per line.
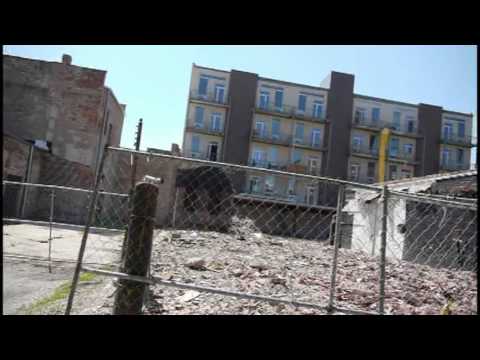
x=216, y=120
x=410, y=124
x=375, y=115
x=359, y=115
x=254, y=185
x=279, y=99
x=461, y=129
x=317, y=109
x=199, y=111
x=406, y=173
x=302, y=102
x=299, y=129
x=408, y=149
x=373, y=144
x=269, y=184
x=202, y=86
x=447, y=131
x=212, y=151
x=264, y=95
x=195, y=144
x=371, y=170
x=310, y=195
x=316, y=140
x=260, y=128
x=357, y=143
x=396, y=120
x=393, y=148
x=460, y=156
x=445, y=156
x=259, y=158
x=219, y=93
x=313, y=166
x=275, y=129
x=273, y=155
x=393, y=172
x=297, y=156
x=291, y=189
x=354, y=172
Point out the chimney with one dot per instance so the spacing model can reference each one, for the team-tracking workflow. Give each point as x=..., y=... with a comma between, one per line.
x=175, y=149
x=66, y=59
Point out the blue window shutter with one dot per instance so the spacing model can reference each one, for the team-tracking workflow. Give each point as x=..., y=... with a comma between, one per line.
x=275, y=127
x=278, y=98
x=202, y=86
x=461, y=129
x=195, y=143
x=302, y=102
x=199, y=111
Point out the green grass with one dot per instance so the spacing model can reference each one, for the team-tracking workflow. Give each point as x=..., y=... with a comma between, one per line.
x=58, y=294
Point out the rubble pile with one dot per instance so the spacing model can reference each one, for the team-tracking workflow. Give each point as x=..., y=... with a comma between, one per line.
x=292, y=269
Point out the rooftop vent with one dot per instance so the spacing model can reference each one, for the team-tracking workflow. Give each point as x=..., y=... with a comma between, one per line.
x=66, y=59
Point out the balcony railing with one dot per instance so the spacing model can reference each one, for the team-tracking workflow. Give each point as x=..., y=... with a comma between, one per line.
x=401, y=155
x=365, y=150
x=266, y=164
x=452, y=165
x=379, y=124
x=307, y=141
x=202, y=155
x=209, y=97
x=292, y=111
x=205, y=129
x=271, y=138
x=455, y=139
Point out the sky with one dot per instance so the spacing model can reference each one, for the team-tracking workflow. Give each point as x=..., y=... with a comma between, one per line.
x=153, y=81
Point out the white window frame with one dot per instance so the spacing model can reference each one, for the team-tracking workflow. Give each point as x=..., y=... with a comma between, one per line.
x=264, y=94
x=269, y=187
x=260, y=133
x=314, y=132
x=217, y=87
x=362, y=112
x=209, y=150
x=408, y=149
x=317, y=104
x=256, y=188
x=310, y=192
x=447, y=125
x=216, y=117
x=298, y=140
x=357, y=142
x=313, y=165
x=357, y=168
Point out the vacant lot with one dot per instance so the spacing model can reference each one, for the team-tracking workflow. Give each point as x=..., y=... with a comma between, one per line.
x=26, y=277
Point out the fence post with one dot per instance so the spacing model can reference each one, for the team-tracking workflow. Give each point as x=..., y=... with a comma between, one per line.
x=91, y=211
x=130, y=294
x=52, y=204
x=341, y=195
x=383, y=250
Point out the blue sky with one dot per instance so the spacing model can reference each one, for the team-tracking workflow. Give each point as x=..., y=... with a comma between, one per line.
x=153, y=80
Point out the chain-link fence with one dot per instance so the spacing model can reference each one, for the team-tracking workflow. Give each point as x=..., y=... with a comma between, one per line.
x=204, y=237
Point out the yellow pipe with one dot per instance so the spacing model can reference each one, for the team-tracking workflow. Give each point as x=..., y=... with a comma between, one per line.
x=382, y=154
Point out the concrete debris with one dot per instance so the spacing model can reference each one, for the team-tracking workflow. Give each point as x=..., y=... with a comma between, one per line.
x=297, y=269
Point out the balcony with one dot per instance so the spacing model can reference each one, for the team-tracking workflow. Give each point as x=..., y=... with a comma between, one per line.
x=364, y=150
x=455, y=139
x=267, y=137
x=209, y=97
x=202, y=155
x=204, y=130
x=369, y=124
x=266, y=164
x=306, y=142
x=401, y=156
x=450, y=165
x=291, y=112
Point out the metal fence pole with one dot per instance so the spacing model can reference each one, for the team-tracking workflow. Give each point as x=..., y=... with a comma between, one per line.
x=91, y=211
x=383, y=250
x=341, y=195
x=52, y=204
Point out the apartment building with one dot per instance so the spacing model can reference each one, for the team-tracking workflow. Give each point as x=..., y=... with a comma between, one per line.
x=243, y=118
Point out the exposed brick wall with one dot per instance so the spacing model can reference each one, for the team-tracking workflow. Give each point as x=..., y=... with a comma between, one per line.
x=60, y=103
